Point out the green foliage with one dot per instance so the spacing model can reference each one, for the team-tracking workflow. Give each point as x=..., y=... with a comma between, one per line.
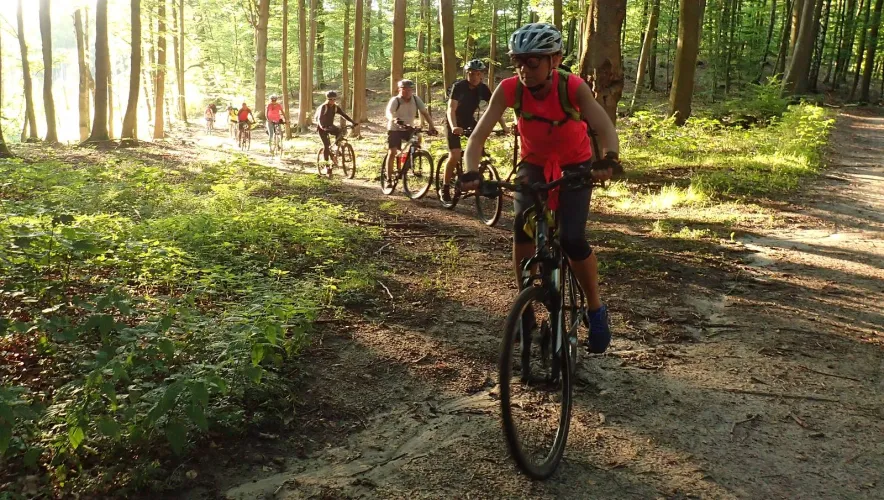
x=148, y=306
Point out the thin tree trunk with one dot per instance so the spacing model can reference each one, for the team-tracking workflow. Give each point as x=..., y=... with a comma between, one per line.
x=285, y=68
x=797, y=10
x=783, y=53
x=130, y=120
x=849, y=24
x=601, y=62
x=557, y=14
x=175, y=53
x=99, y=123
x=446, y=29
x=673, y=19
x=320, y=51
x=311, y=58
x=862, y=49
x=110, y=96
x=652, y=59
x=4, y=149
x=182, y=101
x=492, y=57
x=160, y=82
x=84, y=80
x=796, y=81
x=690, y=16
x=396, y=61
x=30, y=114
x=48, y=101
x=421, y=49
x=820, y=30
x=261, y=58
x=146, y=79
x=304, y=84
x=851, y=41
x=358, y=71
x=366, y=42
x=770, y=32
x=646, y=51
x=345, y=66
x=519, y=10
x=467, y=41
x=870, y=52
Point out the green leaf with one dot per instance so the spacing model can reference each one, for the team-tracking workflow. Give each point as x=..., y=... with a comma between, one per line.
x=165, y=323
x=63, y=219
x=257, y=354
x=5, y=436
x=76, y=436
x=167, y=346
x=176, y=433
x=109, y=427
x=254, y=373
x=199, y=393
x=32, y=455
x=198, y=416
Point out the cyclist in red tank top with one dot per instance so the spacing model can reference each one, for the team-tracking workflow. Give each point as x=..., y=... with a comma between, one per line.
x=552, y=139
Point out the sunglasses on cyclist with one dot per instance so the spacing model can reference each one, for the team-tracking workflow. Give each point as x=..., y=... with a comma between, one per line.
x=532, y=62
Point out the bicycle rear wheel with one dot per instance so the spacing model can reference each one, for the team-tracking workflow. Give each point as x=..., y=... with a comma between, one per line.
x=418, y=176
x=440, y=182
x=387, y=188
x=535, y=405
x=348, y=160
x=488, y=208
x=322, y=165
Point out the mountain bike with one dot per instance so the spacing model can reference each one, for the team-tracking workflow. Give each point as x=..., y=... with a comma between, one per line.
x=487, y=207
x=276, y=139
x=538, y=354
x=414, y=166
x=245, y=136
x=341, y=151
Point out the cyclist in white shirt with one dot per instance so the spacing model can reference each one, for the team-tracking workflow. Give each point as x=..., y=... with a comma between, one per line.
x=401, y=112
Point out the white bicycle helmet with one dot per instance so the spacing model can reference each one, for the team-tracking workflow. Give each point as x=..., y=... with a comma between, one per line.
x=536, y=39
x=475, y=65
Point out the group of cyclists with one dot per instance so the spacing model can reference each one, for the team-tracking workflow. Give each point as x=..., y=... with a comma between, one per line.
x=555, y=111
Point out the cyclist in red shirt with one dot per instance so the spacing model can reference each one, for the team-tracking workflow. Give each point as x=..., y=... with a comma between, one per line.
x=274, y=115
x=553, y=139
x=245, y=117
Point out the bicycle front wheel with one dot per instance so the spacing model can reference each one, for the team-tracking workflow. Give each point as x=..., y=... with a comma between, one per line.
x=574, y=312
x=488, y=208
x=535, y=402
x=348, y=160
x=418, y=176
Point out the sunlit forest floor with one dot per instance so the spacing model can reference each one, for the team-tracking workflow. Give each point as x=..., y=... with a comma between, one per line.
x=744, y=285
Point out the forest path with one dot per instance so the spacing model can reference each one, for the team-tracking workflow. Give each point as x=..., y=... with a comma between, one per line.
x=747, y=369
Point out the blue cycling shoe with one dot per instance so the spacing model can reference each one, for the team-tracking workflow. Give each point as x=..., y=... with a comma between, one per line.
x=599, y=330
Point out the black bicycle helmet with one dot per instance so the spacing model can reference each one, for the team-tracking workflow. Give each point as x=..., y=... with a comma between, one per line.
x=331, y=94
x=475, y=65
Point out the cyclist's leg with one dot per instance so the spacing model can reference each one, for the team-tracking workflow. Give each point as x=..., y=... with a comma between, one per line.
x=455, y=152
x=333, y=131
x=523, y=244
x=394, y=144
x=326, y=143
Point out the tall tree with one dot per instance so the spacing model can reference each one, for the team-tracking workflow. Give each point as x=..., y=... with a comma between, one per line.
x=4, y=149
x=770, y=32
x=601, y=61
x=179, y=63
x=690, y=16
x=160, y=72
x=358, y=70
x=345, y=62
x=320, y=49
x=446, y=27
x=820, y=28
x=110, y=95
x=846, y=45
x=99, y=122
x=396, y=61
x=783, y=54
x=304, y=83
x=646, y=51
x=492, y=57
x=366, y=39
x=129, y=131
x=48, y=101
x=285, y=68
x=30, y=114
x=797, y=16
x=83, y=99
x=862, y=48
x=796, y=80
x=260, y=24
x=311, y=51
x=557, y=14
x=870, y=52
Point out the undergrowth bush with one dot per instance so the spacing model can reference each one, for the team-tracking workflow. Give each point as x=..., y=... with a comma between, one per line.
x=145, y=307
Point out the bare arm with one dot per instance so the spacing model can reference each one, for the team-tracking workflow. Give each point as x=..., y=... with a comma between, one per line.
x=389, y=112
x=493, y=114
x=452, y=115
x=598, y=120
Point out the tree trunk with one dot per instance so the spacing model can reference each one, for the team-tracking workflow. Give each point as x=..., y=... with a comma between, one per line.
x=261, y=58
x=304, y=83
x=48, y=101
x=689, y=18
x=870, y=52
x=130, y=120
x=849, y=20
x=652, y=59
x=796, y=80
x=557, y=14
x=783, y=53
x=518, y=15
x=646, y=51
x=285, y=68
x=366, y=39
x=396, y=62
x=673, y=20
x=110, y=96
x=797, y=11
x=311, y=57
x=821, y=27
x=345, y=66
x=30, y=114
x=4, y=149
x=83, y=100
x=320, y=51
x=99, y=121
x=160, y=82
x=467, y=43
x=601, y=62
x=770, y=32
x=492, y=57
x=446, y=29
x=182, y=102
x=421, y=49
x=862, y=49
x=358, y=72
x=146, y=79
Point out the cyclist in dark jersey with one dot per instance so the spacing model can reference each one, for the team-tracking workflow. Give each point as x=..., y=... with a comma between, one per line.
x=553, y=139
x=325, y=122
x=463, y=102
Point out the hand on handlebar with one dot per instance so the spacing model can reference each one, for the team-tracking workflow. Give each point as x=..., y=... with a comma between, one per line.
x=457, y=131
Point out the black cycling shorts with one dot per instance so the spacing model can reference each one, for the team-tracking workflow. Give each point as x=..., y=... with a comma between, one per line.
x=395, y=138
x=572, y=214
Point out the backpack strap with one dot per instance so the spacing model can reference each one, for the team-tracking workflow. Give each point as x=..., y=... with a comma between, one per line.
x=398, y=103
x=568, y=107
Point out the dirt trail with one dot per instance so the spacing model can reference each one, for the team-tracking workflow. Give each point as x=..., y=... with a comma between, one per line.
x=747, y=371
